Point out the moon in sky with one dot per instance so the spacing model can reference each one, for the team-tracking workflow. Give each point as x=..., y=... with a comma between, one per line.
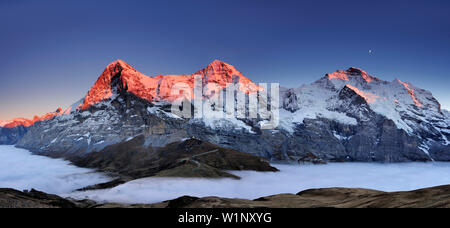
x=370, y=51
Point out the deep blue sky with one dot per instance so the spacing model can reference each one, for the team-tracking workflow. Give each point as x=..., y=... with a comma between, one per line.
x=51, y=52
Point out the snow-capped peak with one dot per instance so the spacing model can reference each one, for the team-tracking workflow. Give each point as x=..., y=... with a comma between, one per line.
x=2, y=123
x=405, y=104
x=351, y=74
x=27, y=122
x=119, y=76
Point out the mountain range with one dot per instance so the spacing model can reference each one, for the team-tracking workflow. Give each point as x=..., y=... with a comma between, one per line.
x=348, y=115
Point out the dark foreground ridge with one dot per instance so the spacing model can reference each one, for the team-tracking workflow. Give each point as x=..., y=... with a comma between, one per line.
x=188, y=158
x=435, y=197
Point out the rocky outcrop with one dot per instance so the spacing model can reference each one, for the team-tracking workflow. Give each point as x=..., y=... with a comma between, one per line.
x=10, y=198
x=290, y=100
x=189, y=158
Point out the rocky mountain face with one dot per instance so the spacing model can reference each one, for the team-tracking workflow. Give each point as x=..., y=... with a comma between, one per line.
x=344, y=116
x=375, y=120
x=10, y=136
x=13, y=130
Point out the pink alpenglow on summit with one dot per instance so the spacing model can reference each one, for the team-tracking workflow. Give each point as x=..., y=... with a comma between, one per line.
x=372, y=89
x=27, y=123
x=216, y=76
x=159, y=88
x=352, y=72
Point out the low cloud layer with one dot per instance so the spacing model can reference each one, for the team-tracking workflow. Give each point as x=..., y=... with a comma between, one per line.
x=21, y=170
x=291, y=179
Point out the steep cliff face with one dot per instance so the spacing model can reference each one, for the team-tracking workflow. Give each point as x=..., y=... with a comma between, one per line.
x=10, y=136
x=347, y=115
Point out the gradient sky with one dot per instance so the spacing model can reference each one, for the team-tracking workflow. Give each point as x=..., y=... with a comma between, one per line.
x=51, y=52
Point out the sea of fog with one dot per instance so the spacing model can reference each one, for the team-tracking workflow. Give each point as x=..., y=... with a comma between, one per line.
x=290, y=179
x=21, y=170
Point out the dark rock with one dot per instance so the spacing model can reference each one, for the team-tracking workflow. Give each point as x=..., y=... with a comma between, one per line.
x=435, y=197
x=311, y=158
x=189, y=158
x=440, y=152
x=290, y=100
x=10, y=136
x=181, y=202
x=195, y=169
x=10, y=198
x=110, y=184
